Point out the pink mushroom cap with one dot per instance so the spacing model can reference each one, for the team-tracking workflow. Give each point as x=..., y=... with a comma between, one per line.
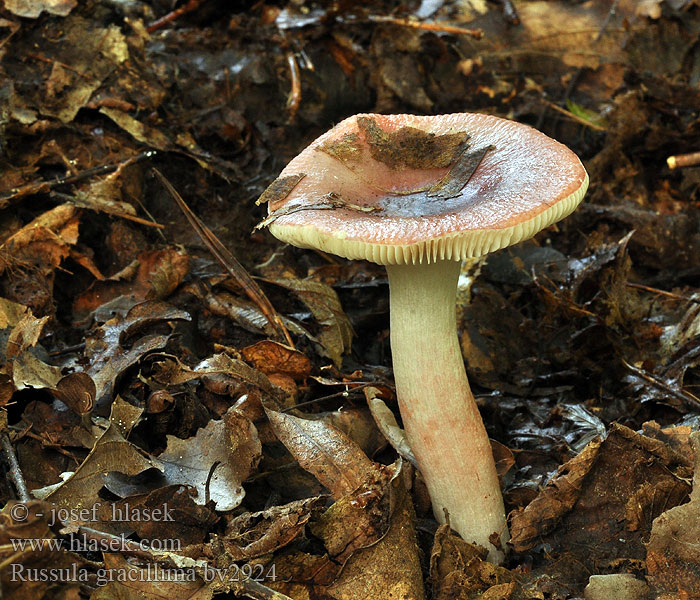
x=370, y=188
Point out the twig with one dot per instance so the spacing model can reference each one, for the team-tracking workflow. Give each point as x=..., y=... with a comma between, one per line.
x=577, y=74
x=229, y=262
x=114, y=213
x=685, y=397
x=659, y=292
x=207, y=492
x=294, y=99
x=171, y=16
x=15, y=473
x=683, y=160
x=475, y=33
x=573, y=116
x=42, y=187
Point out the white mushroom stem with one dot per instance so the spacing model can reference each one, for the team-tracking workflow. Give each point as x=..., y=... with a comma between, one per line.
x=440, y=416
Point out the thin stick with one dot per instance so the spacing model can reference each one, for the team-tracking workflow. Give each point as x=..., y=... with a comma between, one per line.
x=646, y=288
x=171, y=16
x=475, y=33
x=42, y=187
x=683, y=160
x=229, y=262
x=15, y=472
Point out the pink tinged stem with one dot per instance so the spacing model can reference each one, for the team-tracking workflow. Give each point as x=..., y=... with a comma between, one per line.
x=440, y=416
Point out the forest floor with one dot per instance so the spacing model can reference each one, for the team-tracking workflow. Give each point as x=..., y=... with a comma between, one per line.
x=185, y=404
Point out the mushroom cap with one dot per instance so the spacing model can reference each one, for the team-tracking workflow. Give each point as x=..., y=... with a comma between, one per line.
x=397, y=189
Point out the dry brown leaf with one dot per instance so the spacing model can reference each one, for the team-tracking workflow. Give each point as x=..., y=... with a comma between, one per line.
x=544, y=512
x=459, y=570
x=232, y=442
x=251, y=535
x=110, y=453
x=324, y=451
x=16, y=578
x=372, y=533
x=273, y=357
x=673, y=551
x=582, y=515
x=44, y=242
x=144, y=580
x=25, y=334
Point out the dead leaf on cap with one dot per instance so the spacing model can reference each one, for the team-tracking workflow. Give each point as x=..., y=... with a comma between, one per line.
x=280, y=188
x=410, y=147
x=458, y=176
x=273, y=357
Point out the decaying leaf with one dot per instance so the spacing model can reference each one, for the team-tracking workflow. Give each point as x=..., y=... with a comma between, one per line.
x=371, y=532
x=215, y=461
x=33, y=8
x=412, y=148
x=558, y=498
x=459, y=570
x=110, y=453
x=672, y=558
x=335, y=460
x=251, y=535
x=273, y=357
x=280, y=188
x=142, y=579
x=220, y=373
x=105, y=350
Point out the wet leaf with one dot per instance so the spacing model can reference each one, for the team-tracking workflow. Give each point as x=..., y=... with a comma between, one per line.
x=104, y=348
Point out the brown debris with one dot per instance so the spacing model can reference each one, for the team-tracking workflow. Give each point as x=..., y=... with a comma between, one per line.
x=410, y=147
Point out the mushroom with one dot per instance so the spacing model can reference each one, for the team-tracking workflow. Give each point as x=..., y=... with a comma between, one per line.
x=419, y=194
